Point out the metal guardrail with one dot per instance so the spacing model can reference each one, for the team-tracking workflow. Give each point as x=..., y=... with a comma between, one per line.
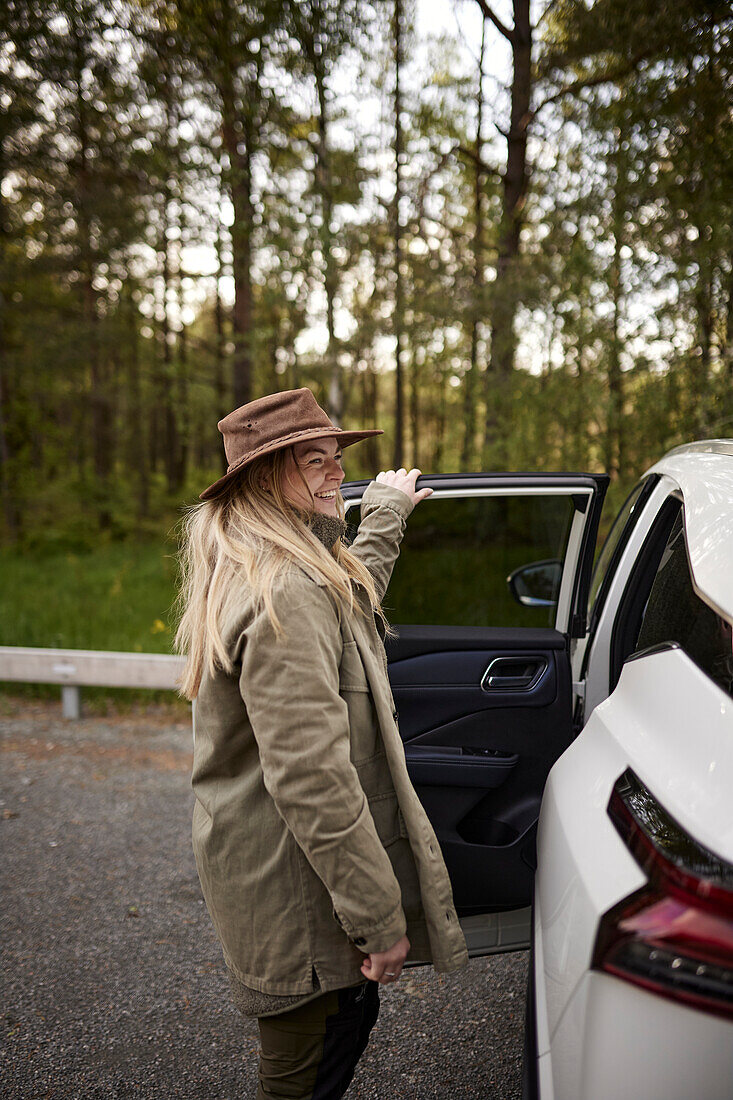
x=77, y=668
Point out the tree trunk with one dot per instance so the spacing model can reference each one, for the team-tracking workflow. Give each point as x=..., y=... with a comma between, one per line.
x=102, y=426
x=137, y=450
x=10, y=506
x=701, y=362
x=440, y=423
x=182, y=404
x=399, y=303
x=238, y=141
x=324, y=189
x=727, y=428
x=615, y=457
x=506, y=290
x=469, y=382
x=417, y=448
x=371, y=419
x=165, y=354
x=220, y=386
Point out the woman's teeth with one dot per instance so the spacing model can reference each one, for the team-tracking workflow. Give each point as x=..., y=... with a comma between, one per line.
x=326, y=496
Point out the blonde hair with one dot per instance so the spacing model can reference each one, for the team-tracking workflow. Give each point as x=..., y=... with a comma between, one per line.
x=233, y=547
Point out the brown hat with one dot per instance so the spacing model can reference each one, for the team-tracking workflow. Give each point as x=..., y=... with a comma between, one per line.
x=273, y=422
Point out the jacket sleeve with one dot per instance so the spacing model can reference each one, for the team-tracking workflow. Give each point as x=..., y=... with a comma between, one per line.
x=384, y=512
x=301, y=725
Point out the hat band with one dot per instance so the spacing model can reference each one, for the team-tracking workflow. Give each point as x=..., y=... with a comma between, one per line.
x=284, y=440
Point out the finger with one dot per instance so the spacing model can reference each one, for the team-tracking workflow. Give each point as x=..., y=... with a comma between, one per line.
x=423, y=494
x=388, y=976
x=370, y=970
x=375, y=973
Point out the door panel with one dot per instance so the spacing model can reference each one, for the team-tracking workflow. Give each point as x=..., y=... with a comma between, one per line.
x=479, y=757
x=480, y=670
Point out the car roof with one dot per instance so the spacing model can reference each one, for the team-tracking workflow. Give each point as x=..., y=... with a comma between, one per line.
x=704, y=473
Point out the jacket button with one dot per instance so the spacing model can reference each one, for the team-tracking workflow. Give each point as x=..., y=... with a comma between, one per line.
x=396, y=715
x=359, y=941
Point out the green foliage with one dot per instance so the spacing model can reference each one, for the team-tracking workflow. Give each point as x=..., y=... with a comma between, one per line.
x=155, y=155
x=114, y=597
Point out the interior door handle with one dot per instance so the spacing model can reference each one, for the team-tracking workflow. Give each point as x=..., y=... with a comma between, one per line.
x=521, y=673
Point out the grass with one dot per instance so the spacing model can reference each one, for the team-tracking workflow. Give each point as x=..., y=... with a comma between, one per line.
x=116, y=597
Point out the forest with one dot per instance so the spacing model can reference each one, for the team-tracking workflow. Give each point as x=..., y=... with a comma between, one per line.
x=502, y=235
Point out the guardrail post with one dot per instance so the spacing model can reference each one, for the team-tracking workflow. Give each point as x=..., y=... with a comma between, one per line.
x=71, y=702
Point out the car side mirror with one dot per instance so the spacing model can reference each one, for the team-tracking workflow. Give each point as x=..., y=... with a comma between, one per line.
x=536, y=584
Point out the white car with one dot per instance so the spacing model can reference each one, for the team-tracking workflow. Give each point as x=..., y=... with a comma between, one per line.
x=596, y=703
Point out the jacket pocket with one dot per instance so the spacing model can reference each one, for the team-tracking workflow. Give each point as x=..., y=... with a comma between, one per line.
x=351, y=671
x=385, y=813
x=389, y=821
x=374, y=776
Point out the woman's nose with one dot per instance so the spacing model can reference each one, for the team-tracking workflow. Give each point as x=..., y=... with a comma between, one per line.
x=334, y=470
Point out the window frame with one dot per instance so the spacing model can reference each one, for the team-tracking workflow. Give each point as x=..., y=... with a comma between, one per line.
x=645, y=486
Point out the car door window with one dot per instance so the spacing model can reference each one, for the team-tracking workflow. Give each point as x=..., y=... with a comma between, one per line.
x=458, y=553
x=675, y=614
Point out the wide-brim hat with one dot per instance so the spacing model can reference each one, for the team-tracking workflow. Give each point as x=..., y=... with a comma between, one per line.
x=271, y=423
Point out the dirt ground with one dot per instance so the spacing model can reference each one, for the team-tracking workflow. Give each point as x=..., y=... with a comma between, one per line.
x=113, y=984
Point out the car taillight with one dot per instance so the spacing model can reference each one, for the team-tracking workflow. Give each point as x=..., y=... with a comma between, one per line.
x=674, y=936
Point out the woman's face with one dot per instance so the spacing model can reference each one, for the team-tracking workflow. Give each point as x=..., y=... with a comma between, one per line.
x=318, y=462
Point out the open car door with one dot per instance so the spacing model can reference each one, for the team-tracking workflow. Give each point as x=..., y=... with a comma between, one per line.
x=490, y=587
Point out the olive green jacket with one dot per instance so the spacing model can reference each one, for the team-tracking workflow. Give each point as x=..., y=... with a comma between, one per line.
x=311, y=844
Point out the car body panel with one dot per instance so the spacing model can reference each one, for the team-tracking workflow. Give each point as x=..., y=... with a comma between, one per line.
x=669, y=722
x=616, y=1040
x=541, y=1038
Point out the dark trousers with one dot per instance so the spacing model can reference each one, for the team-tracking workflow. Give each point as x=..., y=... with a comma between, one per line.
x=311, y=1052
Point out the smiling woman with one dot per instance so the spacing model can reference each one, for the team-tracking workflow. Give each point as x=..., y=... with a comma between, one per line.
x=318, y=864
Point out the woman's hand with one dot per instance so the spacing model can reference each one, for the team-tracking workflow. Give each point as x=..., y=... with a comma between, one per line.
x=405, y=482
x=386, y=966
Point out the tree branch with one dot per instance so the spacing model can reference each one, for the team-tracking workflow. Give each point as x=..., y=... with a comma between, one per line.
x=606, y=77
x=490, y=14
x=470, y=155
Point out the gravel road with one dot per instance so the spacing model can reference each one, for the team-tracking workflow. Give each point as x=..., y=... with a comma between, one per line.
x=113, y=981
